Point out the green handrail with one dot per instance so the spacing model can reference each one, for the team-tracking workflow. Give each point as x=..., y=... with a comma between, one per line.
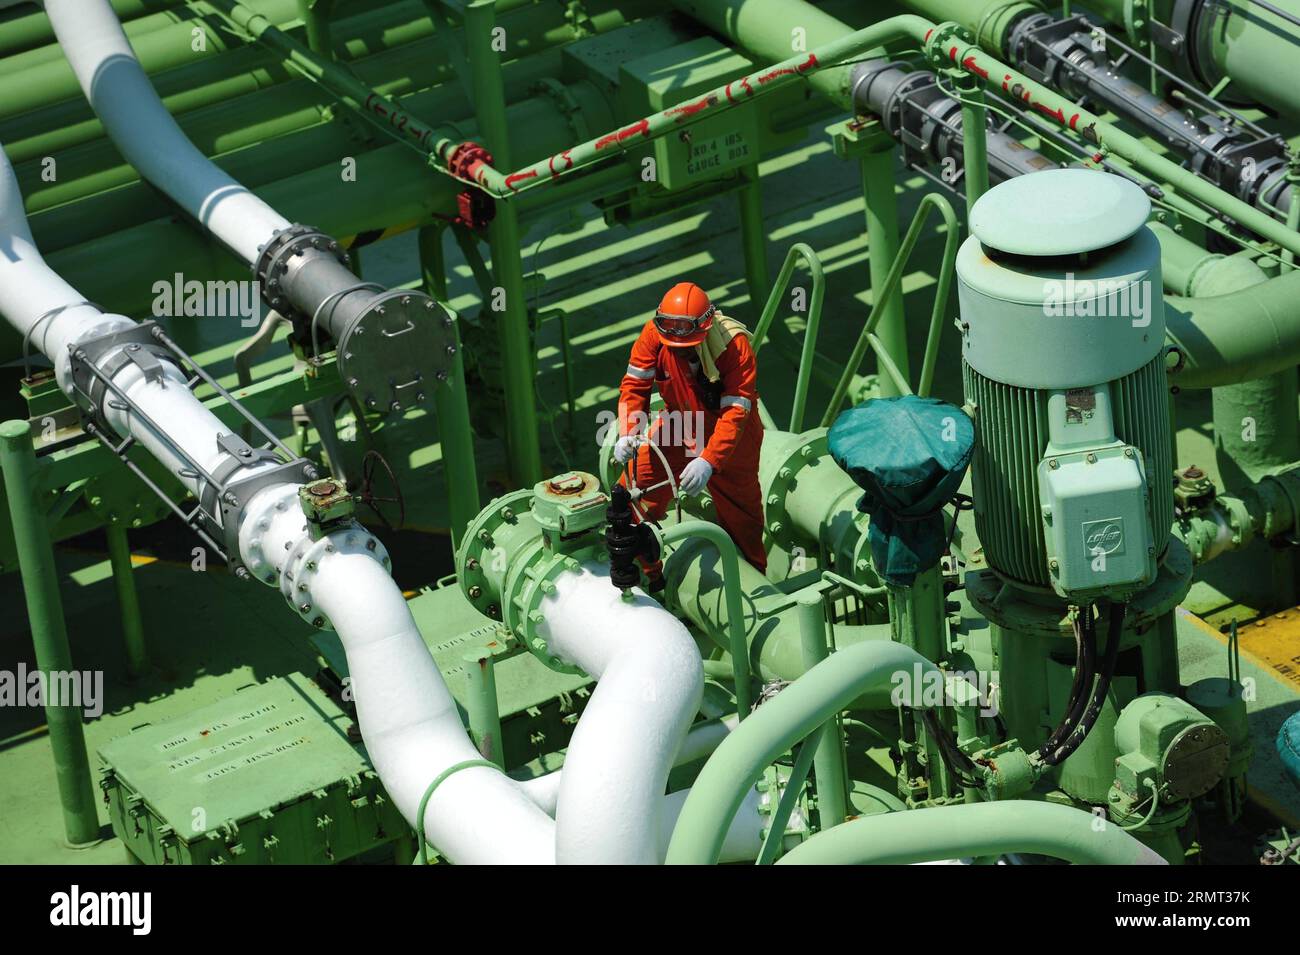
x=868, y=339
x=719, y=538
x=774, y=728
x=799, y=250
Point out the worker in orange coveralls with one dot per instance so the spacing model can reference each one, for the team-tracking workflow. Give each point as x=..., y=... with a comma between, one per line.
x=704, y=367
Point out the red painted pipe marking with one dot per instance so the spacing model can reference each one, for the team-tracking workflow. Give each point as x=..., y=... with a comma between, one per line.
x=568, y=163
x=642, y=127
x=684, y=110
x=1006, y=83
x=1057, y=114
x=952, y=54
x=788, y=70
x=515, y=177
x=970, y=64
x=1074, y=121
x=926, y=38
x=749, y=90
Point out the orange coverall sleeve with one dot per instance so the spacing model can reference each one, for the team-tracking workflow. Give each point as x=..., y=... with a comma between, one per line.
x=638, y=381
x=738, y=371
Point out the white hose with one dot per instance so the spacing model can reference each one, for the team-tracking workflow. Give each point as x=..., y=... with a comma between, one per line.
x=649, y=684
x=145, y=133
x=409, y=721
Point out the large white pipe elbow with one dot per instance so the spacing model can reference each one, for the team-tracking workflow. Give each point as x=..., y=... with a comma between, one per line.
x=409, y=721
x=649, y=684
x=145, y=133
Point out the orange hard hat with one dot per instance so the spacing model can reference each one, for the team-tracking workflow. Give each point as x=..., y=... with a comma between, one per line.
x=685, y=316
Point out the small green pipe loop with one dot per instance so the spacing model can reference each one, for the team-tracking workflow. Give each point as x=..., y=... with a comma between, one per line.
x=438, y=781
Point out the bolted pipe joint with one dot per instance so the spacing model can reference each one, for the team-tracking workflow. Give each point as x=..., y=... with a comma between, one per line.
x=281, y=547
x=518, y=546
x=391, y=345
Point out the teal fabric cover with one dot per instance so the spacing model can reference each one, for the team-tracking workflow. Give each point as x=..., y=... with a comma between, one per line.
x=909, y=455
x=1288, y=746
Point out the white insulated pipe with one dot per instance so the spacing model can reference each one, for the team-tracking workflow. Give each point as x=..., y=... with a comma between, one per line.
x=147, y=136
x=650, y=681
x=55, y=316
x=409, y=721
x=408, y=718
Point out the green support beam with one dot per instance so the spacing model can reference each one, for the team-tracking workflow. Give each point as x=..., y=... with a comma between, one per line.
x=49, y=631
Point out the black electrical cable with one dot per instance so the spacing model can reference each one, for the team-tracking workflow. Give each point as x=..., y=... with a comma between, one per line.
x=961, y=765
x=1115, y=627
x=1084, y=671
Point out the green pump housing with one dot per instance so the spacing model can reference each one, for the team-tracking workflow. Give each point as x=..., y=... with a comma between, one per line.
x=1062, y=341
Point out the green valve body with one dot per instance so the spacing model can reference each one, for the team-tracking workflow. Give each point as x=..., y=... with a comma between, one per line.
x=518, y=544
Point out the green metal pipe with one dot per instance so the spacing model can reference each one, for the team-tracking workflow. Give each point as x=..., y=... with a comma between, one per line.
x=974, y=145
x=482, y=712
x=753, y=237
x=393, y=188
x=773, y=729
x=763, y=27
x=49, y=631
x=518, y=357
x=395, y=57
x=351, y=92
x=730, y=559
x=975, y=829
x=167, y=48
x=451, y=399
x=1225, y=339
x=27, y=31
x=881, y=204
x=828, y=763
x=988, y=20
x=119, y=558
x=824, y=67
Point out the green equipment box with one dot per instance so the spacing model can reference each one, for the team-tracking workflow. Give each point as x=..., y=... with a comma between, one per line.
x=265, y=776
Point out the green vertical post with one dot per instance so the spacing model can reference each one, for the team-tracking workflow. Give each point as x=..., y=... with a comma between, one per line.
x=828, y=763
x=974, y=143
x=753, y=239
x=882, y=249
x=517, y=357
x=49, y=631
x=916, y=619
x=455, y=432
x=481, y=705
x=119, y=558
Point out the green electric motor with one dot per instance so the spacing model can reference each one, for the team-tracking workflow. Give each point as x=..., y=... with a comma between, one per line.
x=1062, y=321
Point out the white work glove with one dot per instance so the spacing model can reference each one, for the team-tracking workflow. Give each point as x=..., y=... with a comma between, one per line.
x=695, y=476
x=625, y=448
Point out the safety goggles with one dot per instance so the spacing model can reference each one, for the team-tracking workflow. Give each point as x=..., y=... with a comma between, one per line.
x=682, y=326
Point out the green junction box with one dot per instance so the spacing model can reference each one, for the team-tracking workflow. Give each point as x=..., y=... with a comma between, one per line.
x=265, y=776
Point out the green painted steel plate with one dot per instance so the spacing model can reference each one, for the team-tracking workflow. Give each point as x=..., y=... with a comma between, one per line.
x=1059, y=212
x=265, y=746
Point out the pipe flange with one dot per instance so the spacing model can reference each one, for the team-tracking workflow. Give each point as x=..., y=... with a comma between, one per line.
x=252, y=536
x=305, y=560
x=784, y=472
x=944, y=44
x=478, y=548
x=396, y=349
x=273, y=260
x=526, y=619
